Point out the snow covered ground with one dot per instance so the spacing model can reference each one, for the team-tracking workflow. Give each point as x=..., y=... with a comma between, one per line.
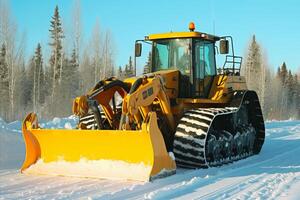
x=273, y=174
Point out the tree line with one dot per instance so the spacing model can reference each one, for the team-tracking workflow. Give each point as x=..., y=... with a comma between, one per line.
x=129, y=71
x=47, y=84
x=279, y=92
x=59, y=71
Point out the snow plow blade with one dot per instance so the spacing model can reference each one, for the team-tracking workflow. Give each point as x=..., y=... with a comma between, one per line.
x=110, y=154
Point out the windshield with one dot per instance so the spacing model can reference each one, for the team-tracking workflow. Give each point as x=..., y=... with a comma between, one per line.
x=172, y=54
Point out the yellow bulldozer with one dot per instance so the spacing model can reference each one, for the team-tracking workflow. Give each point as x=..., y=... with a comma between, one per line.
x=183, y=113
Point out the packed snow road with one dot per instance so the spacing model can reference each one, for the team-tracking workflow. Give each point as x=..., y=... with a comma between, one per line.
x=273, y=174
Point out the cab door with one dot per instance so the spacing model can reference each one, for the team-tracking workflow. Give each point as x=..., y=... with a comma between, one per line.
x=204, y=68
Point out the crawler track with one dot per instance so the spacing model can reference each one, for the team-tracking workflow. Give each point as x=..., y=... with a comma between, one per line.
x=207, y=137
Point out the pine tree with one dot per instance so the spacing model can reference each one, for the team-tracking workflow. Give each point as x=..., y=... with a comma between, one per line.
x=254, y=69
x=74, y=73
x=283, y=73
x=297, y=95
x=289, y=85
x=38, y=79
x=56, y=34
x=283, y=92
x=147, y=67
x=69, y=86
x=120, y=72
x=290, y=93
x=30, y=82
x=129, y=68
x=65, y=90
x=268, y=93
x=4, y=85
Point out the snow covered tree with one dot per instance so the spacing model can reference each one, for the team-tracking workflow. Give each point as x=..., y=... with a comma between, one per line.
x=21, y=92
x=38, y=79
x=56, y=35
x=282, y=92
x=283, y=73
x=73, y=74
x=87, y=72
x=4, y=85
x=268, y=98
x=293, y=95
x=30, y=87
x=14, y=45
x=254, y=69
x=65, y=90
x=96, y=51
x=107, y=57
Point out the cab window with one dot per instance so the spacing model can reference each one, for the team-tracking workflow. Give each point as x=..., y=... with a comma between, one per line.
x=172, y=54
x=204, y=67
x=204, y=59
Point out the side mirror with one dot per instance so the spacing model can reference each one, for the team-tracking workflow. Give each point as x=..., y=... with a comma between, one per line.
x=138, y=49
x=224, y=46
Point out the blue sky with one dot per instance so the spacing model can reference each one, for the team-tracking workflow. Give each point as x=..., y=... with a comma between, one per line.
x=276, y=24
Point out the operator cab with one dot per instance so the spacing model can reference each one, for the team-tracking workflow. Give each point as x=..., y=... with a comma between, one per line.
x=193, y=57
x=192, y=53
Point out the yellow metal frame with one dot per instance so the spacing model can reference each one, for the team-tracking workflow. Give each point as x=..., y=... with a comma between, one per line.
x=141, y=99
x=191, y=34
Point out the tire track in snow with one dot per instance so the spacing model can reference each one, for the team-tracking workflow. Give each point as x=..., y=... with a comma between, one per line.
x=273, y=187
x=36, y=187
x=251, y=189
x=177, y=189
x=262, y=187
x=49, y=187
x=233, y=187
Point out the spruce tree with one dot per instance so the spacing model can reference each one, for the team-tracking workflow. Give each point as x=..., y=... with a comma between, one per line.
x=129, y=71
x=30, y=73
x=38, y=79
x=283, y=73
x=297, y=95
x=74, y=73
x=283, y=96
x=65, y=89
x=290, y=93
x=255, y=70
x=56, y=35
x=120, y=72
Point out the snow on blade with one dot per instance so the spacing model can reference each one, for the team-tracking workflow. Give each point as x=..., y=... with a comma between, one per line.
x=107, y=169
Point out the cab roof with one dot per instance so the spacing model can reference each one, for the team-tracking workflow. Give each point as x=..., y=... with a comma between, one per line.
x=190, y=34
